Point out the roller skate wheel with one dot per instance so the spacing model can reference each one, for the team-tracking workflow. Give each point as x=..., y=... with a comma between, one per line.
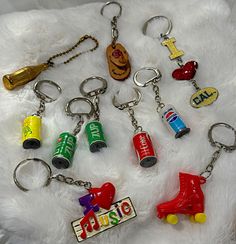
x=172, y=219
x=192, y=219
x=200, y=218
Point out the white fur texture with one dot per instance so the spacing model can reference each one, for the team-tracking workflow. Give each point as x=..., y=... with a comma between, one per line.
x=204, y=31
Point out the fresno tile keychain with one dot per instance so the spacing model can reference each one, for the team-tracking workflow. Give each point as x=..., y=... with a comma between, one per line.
x=202, y=97
x=31, y=130
x=190, y=199
x=117, y=55
x=94, y=128
x=169, y=115
x=100, y=213
x=29, y=73
x=66, y=143
x=141, y=140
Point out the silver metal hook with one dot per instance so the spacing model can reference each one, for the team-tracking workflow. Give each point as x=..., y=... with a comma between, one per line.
x=157, y=17
x=128, y=104
x=109, y=3
x=42, y=95
x=152, y=80
x=27, y=161
x=78, y=99
x=214, y=143
x=94, y=92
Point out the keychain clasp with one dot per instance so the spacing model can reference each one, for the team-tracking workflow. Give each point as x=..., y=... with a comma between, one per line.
x=109, y=3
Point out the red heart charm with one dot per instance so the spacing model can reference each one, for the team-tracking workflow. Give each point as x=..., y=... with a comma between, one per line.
x=186, y=72
x=104, y=195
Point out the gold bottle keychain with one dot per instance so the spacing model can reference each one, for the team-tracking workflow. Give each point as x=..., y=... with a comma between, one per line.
x=29, y=73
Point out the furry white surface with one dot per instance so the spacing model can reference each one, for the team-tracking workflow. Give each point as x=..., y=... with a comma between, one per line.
x=203, y=30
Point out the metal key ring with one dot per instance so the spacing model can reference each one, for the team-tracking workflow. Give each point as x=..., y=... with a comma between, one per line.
x=94, y=92
x=109, y=3
x=227, y=148
x=152, y=80
x=167, y=31
x=42, y=95
x=26, y=161
x=78, y=99
x=128, y=104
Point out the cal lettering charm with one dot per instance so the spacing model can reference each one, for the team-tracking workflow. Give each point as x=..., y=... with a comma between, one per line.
x=144, y=149
x=64, y=152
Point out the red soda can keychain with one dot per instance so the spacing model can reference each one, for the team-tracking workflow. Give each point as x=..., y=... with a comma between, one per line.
x=141, y=140
x=190, y=199
x=169, y=115
x=117, y=55
x=66, y=143
x=186, y=71
x=100, y=212
x=94, y=129
x=31, y=130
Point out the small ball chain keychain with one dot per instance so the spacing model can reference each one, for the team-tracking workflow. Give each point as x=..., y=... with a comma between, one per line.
x=117, y=56
x=29, y=73
x=190, y=199
x=100, y=213
x=66, y=143
x=141, y=140
x=31, y=130
x=94, y=128
x=202, y=97
x=168, y=113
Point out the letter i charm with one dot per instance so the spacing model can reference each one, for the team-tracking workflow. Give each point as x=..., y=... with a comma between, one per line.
x=202, y=97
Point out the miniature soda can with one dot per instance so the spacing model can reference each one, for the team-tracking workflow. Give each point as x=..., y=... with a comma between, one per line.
x=173, y=121
x=95, y=136
x=31, y=132
x=144, y=149
x=64, y=152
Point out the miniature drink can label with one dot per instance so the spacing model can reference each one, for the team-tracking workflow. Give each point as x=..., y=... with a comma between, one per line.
x=31, y=132
x=64, y=152
x=144, y=149
x=173, y=121
x=95, y=136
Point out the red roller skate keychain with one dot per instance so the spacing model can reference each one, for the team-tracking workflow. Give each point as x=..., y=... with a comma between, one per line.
x=190, y=199
x=202, y=97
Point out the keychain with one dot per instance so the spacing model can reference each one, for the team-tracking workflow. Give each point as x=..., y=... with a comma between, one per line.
x=31, y=131
x=66, y=143
x=117, y=56
x=202, y=97
x=93, y=128
x=29, y=73
x=141, y=140
x=169, y=115
x=190, y=199
x=100, y=213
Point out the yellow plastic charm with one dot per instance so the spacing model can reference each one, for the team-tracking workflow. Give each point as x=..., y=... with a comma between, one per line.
x=175, y=53
x=172, y=219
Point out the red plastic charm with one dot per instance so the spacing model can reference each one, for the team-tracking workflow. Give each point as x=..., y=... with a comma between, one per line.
x=186, y=72
x=190, y=200
x=103, y=196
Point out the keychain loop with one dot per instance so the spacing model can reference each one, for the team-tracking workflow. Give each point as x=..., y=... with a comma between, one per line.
x=109, y=3
x=78, y=99
x=128, y=104
x=152, y=80
x=94, y=92
x=157, y=17
x=42, y=95
x=215, y=143
x=27, y=161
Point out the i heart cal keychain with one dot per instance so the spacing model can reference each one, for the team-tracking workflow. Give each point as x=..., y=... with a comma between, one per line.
x=100, y=213
x=203, y=96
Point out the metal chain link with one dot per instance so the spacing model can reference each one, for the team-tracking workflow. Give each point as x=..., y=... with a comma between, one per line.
x=41, y=109
x=209, y=168
x=78, y=127
x=114, y=31
x=156, y=90
x=70, y=181
x=82, y=39
x=96, y=108
x=134, y=122
x=194, y=83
